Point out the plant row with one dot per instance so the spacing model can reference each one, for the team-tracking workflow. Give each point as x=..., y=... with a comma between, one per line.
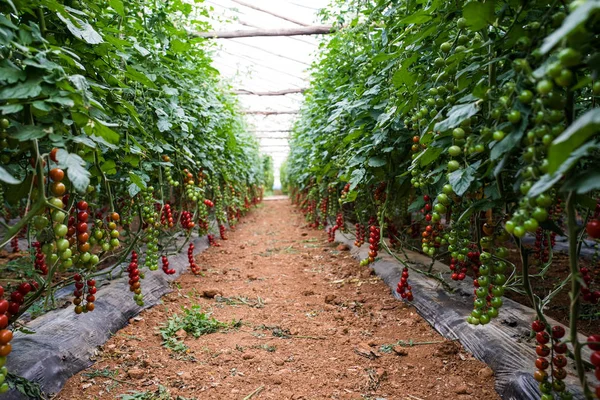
x=468, y=131
x=118, y=139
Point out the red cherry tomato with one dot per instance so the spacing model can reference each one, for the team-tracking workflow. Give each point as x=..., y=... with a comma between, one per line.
x=82, y=205
x=594, y=338
x=593, y=228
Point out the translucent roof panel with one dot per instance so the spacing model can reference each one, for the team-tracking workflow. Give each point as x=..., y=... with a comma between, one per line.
x=267, y=64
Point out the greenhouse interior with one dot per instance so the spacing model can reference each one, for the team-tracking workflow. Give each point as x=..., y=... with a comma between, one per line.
x=300, y=199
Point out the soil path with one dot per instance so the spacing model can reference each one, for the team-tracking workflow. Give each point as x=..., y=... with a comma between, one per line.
x=314, y=325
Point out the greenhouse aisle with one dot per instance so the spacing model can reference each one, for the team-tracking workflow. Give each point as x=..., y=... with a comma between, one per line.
x=312, y=324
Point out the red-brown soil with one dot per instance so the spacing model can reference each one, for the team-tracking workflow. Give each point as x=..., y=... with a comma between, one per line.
x=313, y=327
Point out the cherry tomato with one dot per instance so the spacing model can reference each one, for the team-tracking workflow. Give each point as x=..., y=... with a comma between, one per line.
x=57, y=175
x=595, y=358
x=542, y=363
x=82, y=227
x=5, y=336
x=24, y=288
x=115, y=216
x=558, y=332
x=58, y=188
x=5, y=350
x=542, y=350
x=3, y=321
x=591, y=339
x=90, y=306
x=593, y=228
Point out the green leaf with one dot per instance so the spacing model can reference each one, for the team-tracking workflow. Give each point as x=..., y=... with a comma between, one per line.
x=479, y=14
x=582, y=183
x=164, y=124
x=6, y=177
x=456, y=115
x=117, y=5
x=105, y=132
x=11, y=75
x=429, y=155
x=29, y=132
x=548, y=180
x=136, y=180
x=11, y=108
x=81, y=29
x=377, y=162
x=76, y=169
x=139, y=77
x=109, y=167
x=25, y=90
x=461, y=179
x=356, y=177
x=577, y=133
x=572, y=22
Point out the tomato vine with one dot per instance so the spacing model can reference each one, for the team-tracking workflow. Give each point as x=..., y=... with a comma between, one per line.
x=117, y=136
x=466, y=130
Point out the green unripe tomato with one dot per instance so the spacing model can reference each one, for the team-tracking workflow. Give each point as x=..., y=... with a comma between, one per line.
x=540, y=214
x=447, y=189
x=479, y=303
x=498, y=135
x=458, y=133
x=526, y=97
x=56, y=202
x=514, y=116
x=94, y=259
x=496, y=302
x=544, y=200
x=453, y=165
x=60, y=230
x=499, y=279
x=544, y=86
x=485, y=319
x=531, y=225
x=596, y=88
x=65, y=255
x=40, y=222
x=446, y=47
x=519, y=231
x=481, y=292
x=569, y=57
x=105, y=246
x=440, y=208
x=114, y=243
x=525, y=187
x=58, y=216
x=565, y=79
x=454, y=151
x=62, y=245
x=114, y=233
x=443, y=198
x=4, y=123
x=461, y=23
x=498, y=291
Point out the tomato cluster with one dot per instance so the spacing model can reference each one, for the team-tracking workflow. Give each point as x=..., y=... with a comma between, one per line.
x=551, y=346
x=166, y=217
x=589, y=295
x=360, y=234
x=212, y=241
x=193, y=266
x=134, y=280
x=403, y=288
x=82, y=286
x=186, y=220
x=165, y=267
x=593, y=341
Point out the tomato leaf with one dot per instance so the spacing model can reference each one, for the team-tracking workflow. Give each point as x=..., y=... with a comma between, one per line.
x=550, y=179
x=6, y=177
x=76, y=169
x=479, y=14
x=572, y=22
x=461, y=179
x=577, y=133
x=456, y=115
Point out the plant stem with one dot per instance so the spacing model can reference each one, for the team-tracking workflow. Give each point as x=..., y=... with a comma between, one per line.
x=575, y=294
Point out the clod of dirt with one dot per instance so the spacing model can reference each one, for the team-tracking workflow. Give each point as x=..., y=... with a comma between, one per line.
x=308, y=292
x=304, y=234
x=461, y=389
x=330, y=298
x=343, y=247
x=211, y=293
x=364, y=350
x=252, y=277
x=181, y=334
x=485, y=373
x=400, y=351
x=135, y=373
x=248, y=356
x=447, y=349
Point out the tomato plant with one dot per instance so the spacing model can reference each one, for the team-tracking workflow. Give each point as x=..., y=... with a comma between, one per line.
x=116, y=136
x=467, y=131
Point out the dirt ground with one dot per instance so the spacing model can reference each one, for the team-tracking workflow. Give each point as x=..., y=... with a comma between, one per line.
x=314, y=325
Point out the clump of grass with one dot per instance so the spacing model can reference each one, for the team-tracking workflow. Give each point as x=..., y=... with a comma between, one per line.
x=194, y=322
